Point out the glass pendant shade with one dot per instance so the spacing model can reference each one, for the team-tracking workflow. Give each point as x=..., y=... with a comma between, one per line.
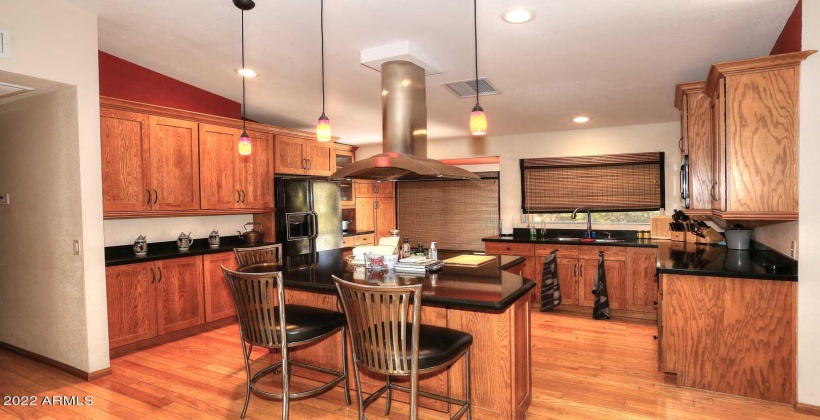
x=323, y=129
x=478, y=121
x=244, y=144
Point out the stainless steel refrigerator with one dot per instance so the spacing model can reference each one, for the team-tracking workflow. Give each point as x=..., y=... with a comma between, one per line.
x=308, y=215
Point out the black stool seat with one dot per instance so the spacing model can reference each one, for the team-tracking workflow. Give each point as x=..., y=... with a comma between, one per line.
x=307, y=322
x=438, y=345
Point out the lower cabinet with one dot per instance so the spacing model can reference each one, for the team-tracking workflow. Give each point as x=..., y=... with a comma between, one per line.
x=218, y=300
x=153, y=298
x=642, y=290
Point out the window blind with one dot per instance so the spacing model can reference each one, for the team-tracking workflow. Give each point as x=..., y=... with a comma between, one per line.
x=454, y=214
x=621, y=182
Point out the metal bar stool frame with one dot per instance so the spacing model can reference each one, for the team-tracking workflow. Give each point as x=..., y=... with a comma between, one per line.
x=384, y=350
x=264, y=253
x=253, y=295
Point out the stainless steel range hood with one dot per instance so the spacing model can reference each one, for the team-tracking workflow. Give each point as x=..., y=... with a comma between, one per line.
x=404, y=133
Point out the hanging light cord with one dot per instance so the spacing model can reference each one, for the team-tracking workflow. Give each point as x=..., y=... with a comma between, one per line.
x=322, y=31
x=243, y=68
x=475, y=33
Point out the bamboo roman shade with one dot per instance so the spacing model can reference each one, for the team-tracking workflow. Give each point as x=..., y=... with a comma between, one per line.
x=622, y=182
x=455, y=214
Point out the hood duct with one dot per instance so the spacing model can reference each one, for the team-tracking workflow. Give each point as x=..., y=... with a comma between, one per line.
x=404, y=133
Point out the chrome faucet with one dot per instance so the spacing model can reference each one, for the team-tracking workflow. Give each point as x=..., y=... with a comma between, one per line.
x=589, y=219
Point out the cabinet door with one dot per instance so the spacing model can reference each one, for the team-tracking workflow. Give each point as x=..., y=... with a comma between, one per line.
x=290, y=155
x=218, y=170
x=364, y=188
x=132, y=314
x=180, y=300
x=255, y=174
x=320, y=158
x=126, y=173
x=342, y=158
x=386, y=189
x=615, y=282
x=718, y=188
x=641, y=280
x=567, y=280
x=174, y=164
x=365, y=214
x=218, y=299
x=587, y=270
x=385, y=216
x=700, y=151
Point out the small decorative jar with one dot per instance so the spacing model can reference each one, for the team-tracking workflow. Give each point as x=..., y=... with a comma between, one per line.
x=213, y=239
x=140, y=246
x=184, y=241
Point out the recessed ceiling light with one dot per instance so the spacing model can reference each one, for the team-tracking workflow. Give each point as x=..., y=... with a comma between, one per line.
x=580, y=119
x=518, y=15
x=247, y=72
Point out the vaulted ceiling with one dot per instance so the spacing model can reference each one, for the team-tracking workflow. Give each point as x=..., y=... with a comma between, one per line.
x=615, y=61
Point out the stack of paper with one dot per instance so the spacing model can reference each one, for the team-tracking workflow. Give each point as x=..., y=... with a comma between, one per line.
x=418, y=265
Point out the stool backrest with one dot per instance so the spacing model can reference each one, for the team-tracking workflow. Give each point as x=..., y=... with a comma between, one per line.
x=377, y=318
x=266, y=253
x=259, y=299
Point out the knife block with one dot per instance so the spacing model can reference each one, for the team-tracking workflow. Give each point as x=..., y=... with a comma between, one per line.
x=660, y=227
x=678, y=236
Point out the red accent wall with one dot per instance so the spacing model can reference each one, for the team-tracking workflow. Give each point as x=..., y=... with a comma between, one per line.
x=123, y=79
x=791, y=39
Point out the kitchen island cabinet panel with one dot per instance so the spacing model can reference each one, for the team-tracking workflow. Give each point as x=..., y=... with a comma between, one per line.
x=218, y=299
x=126, y=173
x=174, y=155
x=180, y=300
x=131, y=295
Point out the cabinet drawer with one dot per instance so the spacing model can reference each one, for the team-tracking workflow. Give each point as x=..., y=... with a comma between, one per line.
x=564, y=251
x=611, y=253
x=502, y=248
x=348, y=241
x=364, y=239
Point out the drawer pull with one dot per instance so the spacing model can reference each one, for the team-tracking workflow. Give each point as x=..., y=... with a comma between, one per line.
x=508, y=248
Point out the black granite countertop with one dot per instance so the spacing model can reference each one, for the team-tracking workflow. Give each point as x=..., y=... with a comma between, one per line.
x=486, y=287
x=685, y=258
x=124, y=254
x=352, y=232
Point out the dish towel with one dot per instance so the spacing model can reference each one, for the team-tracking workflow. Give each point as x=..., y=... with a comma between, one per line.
x=550, y=290
x=601, y=308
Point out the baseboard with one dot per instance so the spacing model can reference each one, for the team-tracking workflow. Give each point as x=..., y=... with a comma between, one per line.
x=71, y=370
x=807, y=409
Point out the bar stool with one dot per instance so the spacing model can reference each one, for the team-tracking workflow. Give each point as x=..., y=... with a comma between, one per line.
x=263, y=316
x=385, y=342
x=267, y=253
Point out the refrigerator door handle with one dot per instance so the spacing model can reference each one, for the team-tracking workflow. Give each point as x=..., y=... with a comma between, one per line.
x=314, y=225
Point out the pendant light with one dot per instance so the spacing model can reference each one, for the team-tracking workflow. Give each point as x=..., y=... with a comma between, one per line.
x=478, y=120
x=323, y=125
x=244, y=140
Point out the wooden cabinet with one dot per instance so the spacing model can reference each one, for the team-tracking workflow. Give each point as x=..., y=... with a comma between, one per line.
x=232, y=181
x=755, y=137
x=696, y=146
x=615, y=282
x=642, y=290
x=148, y=163
x=365, y=213
x=342, y=158
x=301, y=156
x=218, y=299
x=348, y=241
x=374, y=211
x=153, y=298
x=374, y=189
x=730, y=335
x=368, y=239
x=385, y=216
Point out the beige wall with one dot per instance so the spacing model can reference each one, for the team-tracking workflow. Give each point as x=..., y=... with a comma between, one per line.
x=808, y=316
x=55, y=40
x=628, y=139
x=159, y=229
x=779, y=237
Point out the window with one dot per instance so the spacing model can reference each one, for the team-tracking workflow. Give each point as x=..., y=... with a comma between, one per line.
x=628, y=186
x=455, y=214
x=615, y=217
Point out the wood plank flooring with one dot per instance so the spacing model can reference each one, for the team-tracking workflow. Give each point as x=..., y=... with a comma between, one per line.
x=582, y=369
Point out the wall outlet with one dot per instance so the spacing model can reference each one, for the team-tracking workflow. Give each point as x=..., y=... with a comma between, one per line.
x=791, y=250
x=4, y=199
x=76, y=247
x=5, y=44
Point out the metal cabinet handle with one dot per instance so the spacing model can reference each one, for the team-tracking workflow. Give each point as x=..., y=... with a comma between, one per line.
x=153, y=275
x=304, y=164
x=712, y=191
x=160, y=275
x=308, y=164
x=655, y=337
x=243, y=195
x=575, y=270
x=149, y=196
x=680, y=144
x=375, y=188
x=237, y=196
x=156, y=196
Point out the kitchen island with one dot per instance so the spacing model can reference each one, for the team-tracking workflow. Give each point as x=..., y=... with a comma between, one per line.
x=490, y=301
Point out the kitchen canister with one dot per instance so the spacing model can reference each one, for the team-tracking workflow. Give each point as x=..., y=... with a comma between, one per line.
x=738, y=237
x=140, y=246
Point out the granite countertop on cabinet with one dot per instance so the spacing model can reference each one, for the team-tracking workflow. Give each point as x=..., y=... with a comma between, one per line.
x=124, y=254
x=690, y=259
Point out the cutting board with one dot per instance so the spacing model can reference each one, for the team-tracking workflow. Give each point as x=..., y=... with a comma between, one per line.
x=471, y=260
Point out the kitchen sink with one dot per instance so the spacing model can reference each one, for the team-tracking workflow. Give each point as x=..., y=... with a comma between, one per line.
x=573, y=239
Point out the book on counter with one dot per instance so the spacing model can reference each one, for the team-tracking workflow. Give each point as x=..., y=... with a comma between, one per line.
x=418, y=265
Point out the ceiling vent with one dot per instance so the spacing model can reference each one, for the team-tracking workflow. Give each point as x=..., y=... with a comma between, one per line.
x=466, y=88
x=8, y=89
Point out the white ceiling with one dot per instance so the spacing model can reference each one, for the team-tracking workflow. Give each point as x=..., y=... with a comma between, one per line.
x=615, y=61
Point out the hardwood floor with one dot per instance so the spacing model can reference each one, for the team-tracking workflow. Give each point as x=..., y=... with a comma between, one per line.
x=582, y=369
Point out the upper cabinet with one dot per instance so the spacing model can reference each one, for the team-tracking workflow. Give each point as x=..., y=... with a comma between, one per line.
x=739, y=136
x=696, y=148
x=148, y=163
x=232, y=181
x=300, y=156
